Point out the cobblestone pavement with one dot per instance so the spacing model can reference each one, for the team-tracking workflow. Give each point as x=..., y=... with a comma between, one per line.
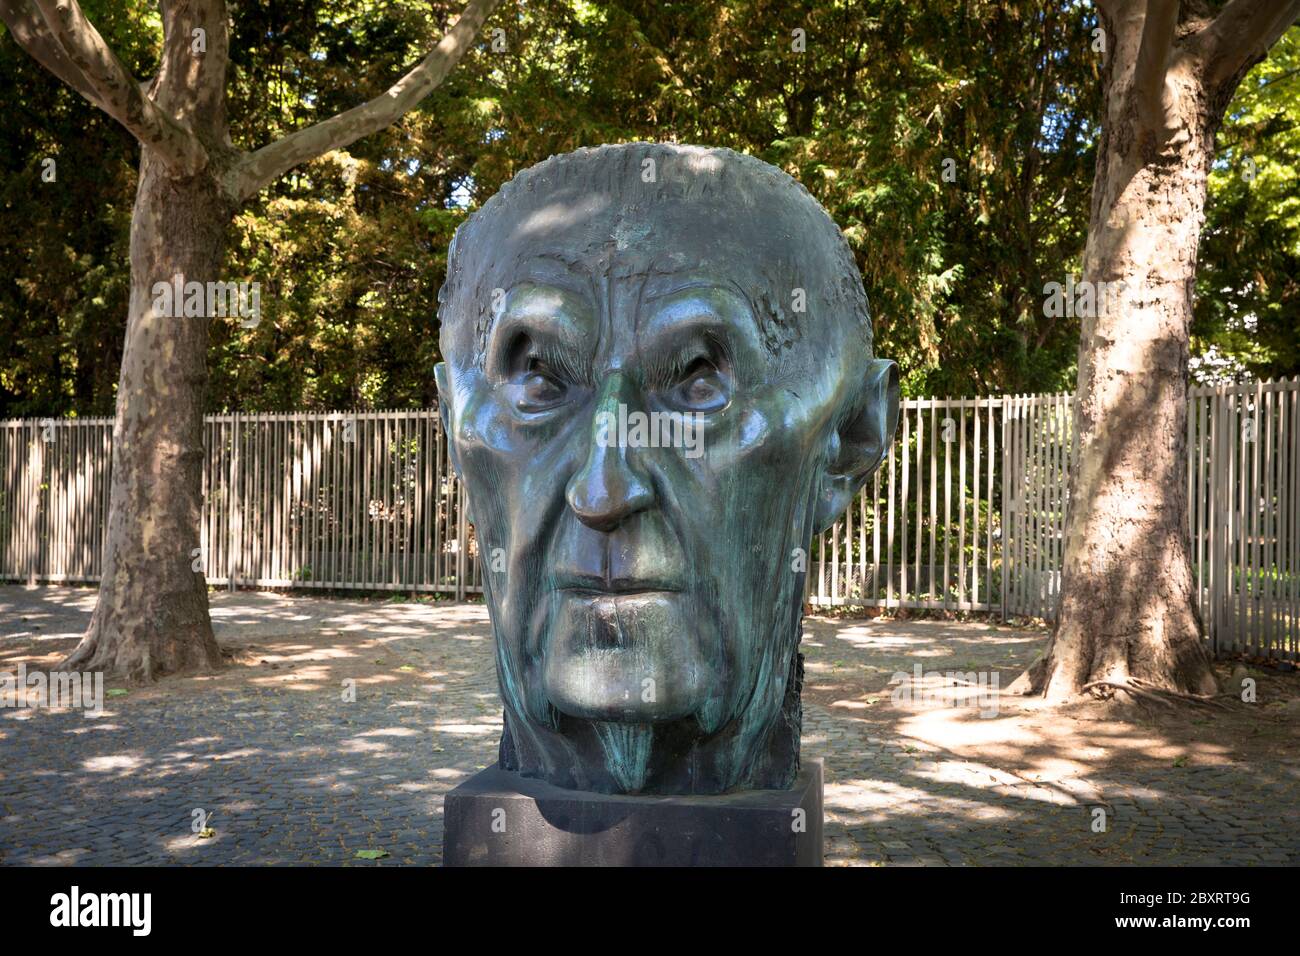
x=286, y=772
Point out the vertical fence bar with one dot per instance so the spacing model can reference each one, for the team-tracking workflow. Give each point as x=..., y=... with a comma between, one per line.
x=921, y=434
x=889, y=534
x=992, y=457
x=962, y=596
x=905, y=454
x=1266, y=552
x=930, y=545
x=1293, y=488
x=875, y=536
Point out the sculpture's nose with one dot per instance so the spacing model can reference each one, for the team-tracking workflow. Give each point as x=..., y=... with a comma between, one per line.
x=609, y=487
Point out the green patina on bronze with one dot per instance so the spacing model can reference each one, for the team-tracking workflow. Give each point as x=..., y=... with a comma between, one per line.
x=647, y=572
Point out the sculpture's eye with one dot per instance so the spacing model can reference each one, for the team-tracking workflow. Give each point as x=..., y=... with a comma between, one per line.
x=540, y=388
x=701, y=389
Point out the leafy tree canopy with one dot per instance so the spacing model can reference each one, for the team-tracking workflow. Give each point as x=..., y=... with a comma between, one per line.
x=955, y=147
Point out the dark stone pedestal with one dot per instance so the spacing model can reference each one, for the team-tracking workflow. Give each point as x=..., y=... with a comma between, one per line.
x=498, y=818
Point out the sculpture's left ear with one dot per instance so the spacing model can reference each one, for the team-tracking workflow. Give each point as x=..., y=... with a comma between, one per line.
x=444, y=413
x=444, y=410
x=860, y=443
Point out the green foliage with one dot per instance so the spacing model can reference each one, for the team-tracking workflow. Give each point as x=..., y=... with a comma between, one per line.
x=1247, y=321
x=884, y=93
x=64, y=281
x=350, y=250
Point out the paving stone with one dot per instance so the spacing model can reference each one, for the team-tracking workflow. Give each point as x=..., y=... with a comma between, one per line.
x=299, y=778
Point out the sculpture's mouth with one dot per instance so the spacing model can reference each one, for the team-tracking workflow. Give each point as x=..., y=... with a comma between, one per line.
x=580, y=585
x=628, y=655
x=613, y=618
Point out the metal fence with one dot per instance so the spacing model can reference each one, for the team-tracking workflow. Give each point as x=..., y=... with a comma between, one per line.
x=966, y=513
x=1243, y=489
x=340, y=500
x=923, y=533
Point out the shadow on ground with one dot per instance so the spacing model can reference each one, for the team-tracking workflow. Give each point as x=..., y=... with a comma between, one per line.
x=340, y=724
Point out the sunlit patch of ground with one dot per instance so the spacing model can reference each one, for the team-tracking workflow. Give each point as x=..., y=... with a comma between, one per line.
x=935, y=686
x=294, y=642
x=867, y=671
x=936, y=765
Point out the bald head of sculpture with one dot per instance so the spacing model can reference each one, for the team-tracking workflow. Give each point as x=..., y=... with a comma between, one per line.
x=658, y=385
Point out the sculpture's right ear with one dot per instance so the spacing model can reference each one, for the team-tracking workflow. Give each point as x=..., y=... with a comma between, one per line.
x=860, y=443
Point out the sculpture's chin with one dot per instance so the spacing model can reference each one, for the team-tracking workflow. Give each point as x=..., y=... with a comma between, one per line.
x=628, y=657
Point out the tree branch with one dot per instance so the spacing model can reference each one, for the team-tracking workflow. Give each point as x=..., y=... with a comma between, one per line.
x=1241, y=34
x=1109, y=7
x=28, y=30
x=1152, y=66
x=1277, y=79
x=270, y=162
x=191, y=84
x=57, y=34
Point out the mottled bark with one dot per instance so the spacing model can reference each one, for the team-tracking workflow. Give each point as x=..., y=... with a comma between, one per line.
x=152, y=615
x=1128, y=602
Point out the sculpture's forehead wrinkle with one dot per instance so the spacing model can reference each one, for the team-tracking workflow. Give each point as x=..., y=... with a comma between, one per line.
x=550, y=267
x=555, y=218
x=666, y=281
x=638, y=209
x=671, y=297
x=622, y=303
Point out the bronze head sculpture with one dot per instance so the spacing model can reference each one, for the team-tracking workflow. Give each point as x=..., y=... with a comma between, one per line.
x=658, y=385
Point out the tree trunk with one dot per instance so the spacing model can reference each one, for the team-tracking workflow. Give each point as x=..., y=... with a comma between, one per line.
x=1128, y=601
x=152, y=614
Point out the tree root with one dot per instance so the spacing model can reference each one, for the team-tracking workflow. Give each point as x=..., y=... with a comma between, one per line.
x=1143, y=690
